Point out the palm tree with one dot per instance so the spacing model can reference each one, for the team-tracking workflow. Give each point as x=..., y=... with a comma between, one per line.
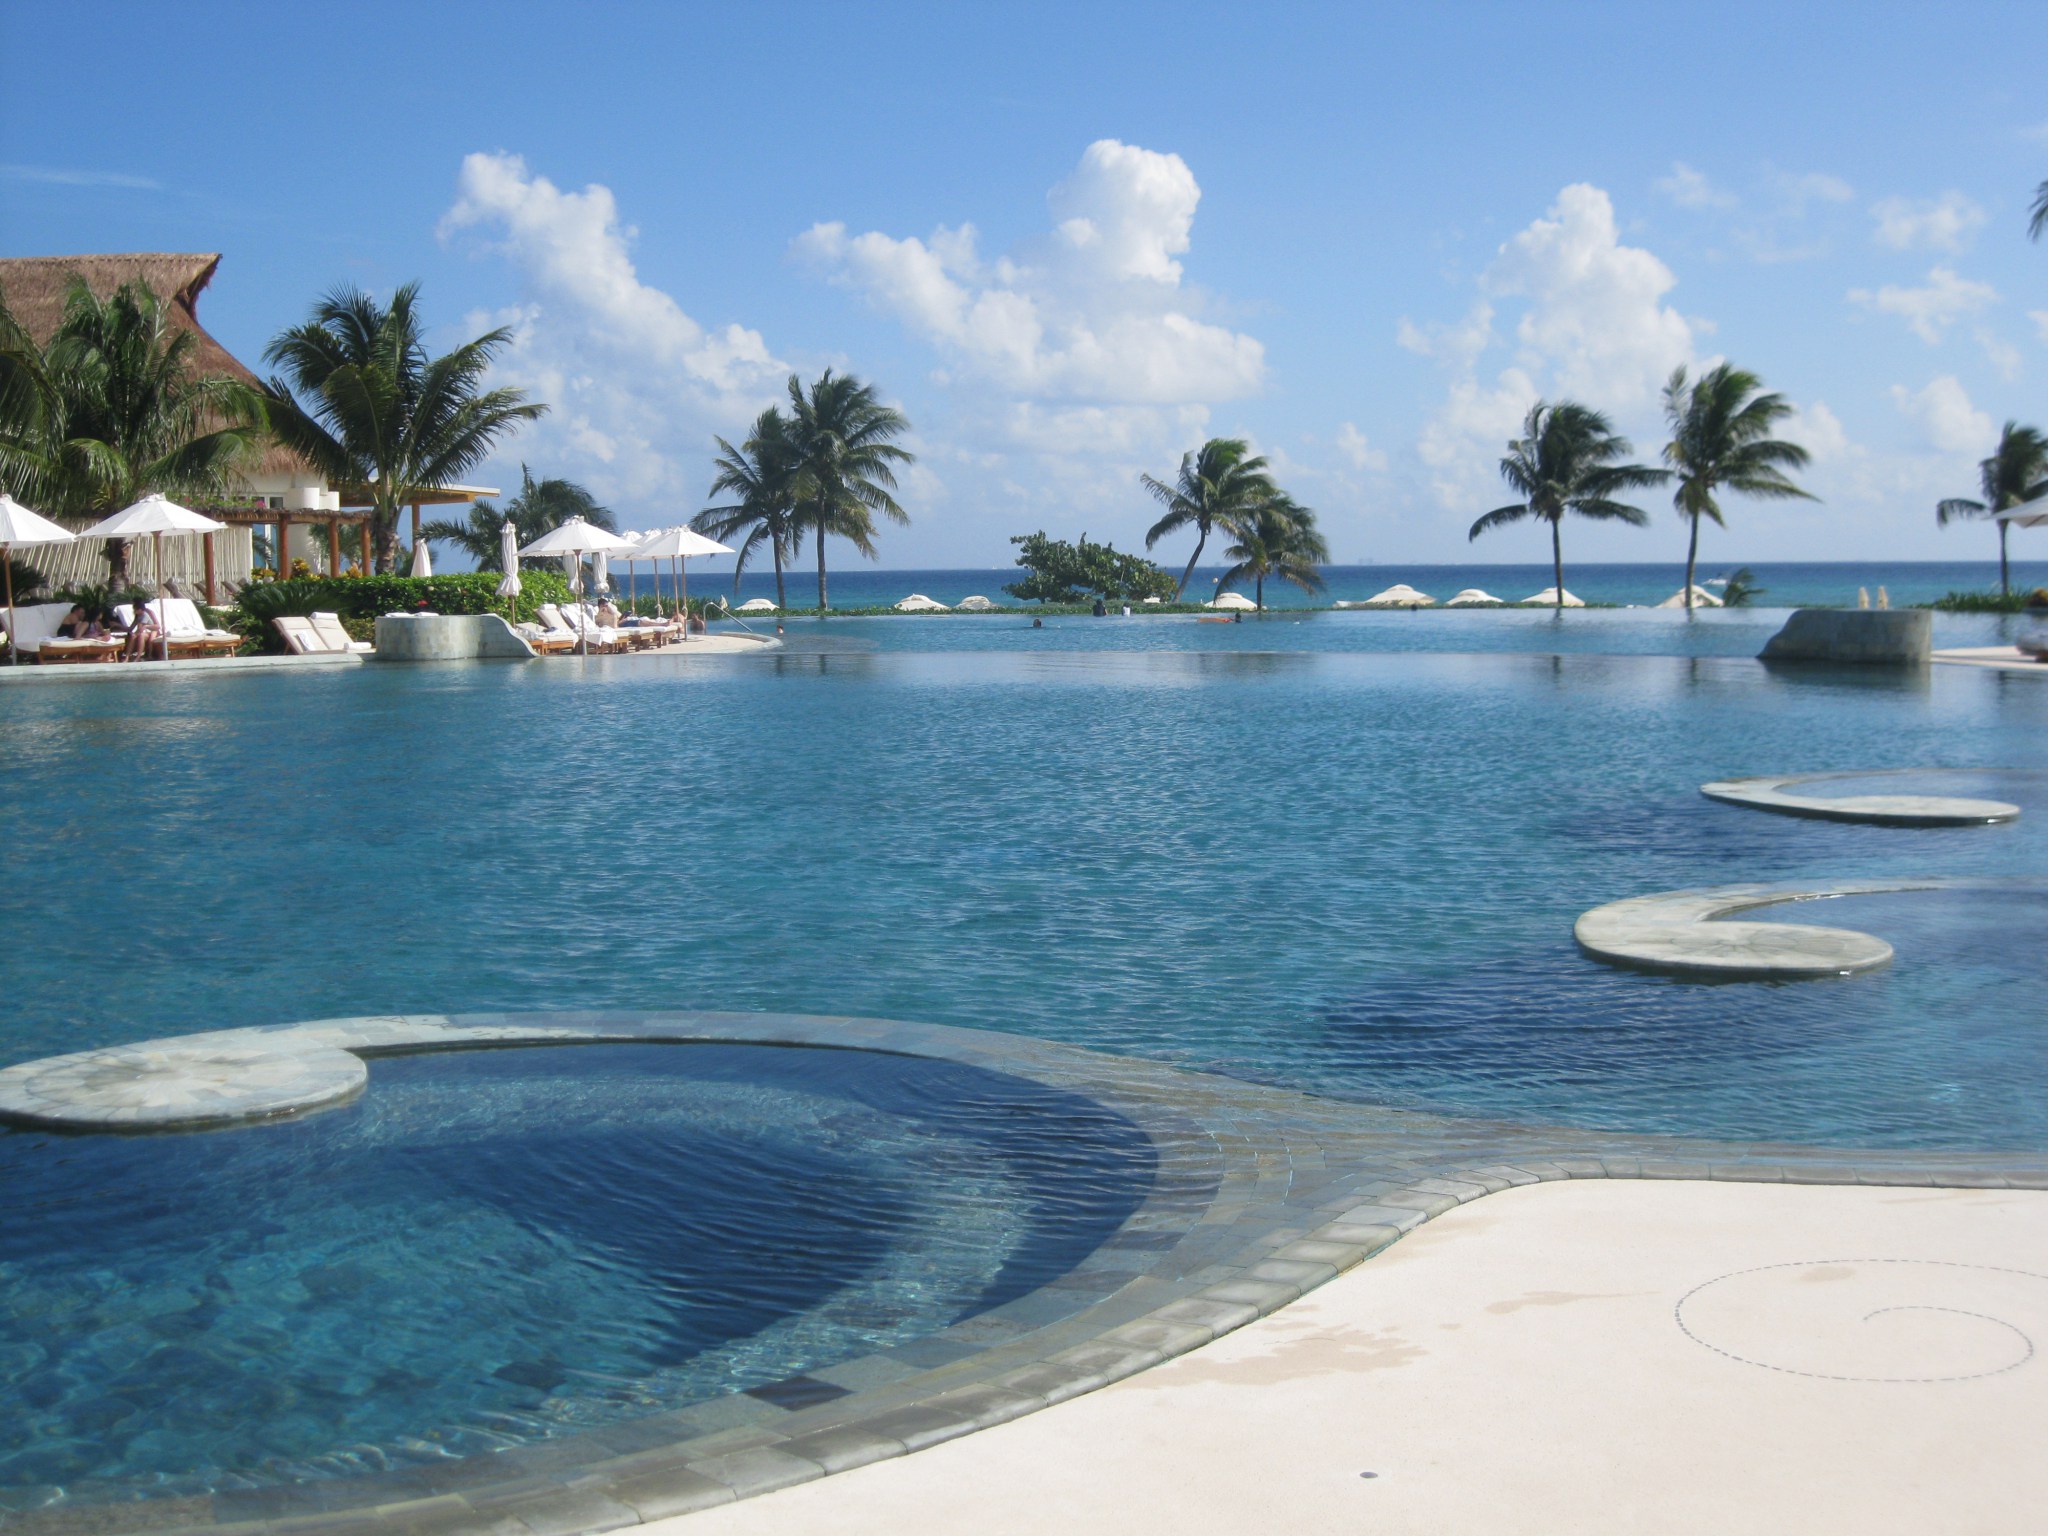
x=537, y=507
x=1564, y=462
x=1277, y=538
x=2014, y=475
x=1721, y=436
x=123, y=414
x=1220, y=485
x=843, y=453
x=29, y=404
x=362, y=402
x=760, y=473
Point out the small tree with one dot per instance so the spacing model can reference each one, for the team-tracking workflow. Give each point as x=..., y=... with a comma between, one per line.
x=1074, y=573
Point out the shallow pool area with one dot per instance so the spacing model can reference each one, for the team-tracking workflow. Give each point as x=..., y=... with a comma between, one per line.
x=496, y=1248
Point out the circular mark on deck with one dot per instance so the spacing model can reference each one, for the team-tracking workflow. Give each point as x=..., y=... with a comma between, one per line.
x=1867, y=1320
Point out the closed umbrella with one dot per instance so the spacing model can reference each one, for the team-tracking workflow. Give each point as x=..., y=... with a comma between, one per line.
x=600, y=574
x=422, y=562
x=156, y=516
x=18, y=525
x=508, y=559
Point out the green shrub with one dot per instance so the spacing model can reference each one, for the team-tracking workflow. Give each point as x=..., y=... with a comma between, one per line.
x=360, y=599
x=1072, y=573
x=1980, y=602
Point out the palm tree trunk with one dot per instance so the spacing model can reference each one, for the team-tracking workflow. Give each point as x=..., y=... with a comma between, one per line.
x=781, y=599
x=117, y=564
x=1259, y=592
x=1692, y=554
x=821, y=567
x=1557, y=562
x=1201, y=538
x=2004, y=574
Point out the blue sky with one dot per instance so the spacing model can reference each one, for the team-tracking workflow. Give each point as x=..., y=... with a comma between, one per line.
x=1071, y=241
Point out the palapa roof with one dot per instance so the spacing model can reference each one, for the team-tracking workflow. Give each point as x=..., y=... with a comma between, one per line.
x=35, y=287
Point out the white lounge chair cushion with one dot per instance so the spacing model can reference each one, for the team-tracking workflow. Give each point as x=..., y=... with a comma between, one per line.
x=328, y=627
x=300, y=635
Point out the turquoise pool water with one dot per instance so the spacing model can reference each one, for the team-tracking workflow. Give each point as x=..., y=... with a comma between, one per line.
x=1306, y=852
x=492, y=1248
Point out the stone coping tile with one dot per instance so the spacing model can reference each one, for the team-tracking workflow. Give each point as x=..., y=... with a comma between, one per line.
x=1261, y=1194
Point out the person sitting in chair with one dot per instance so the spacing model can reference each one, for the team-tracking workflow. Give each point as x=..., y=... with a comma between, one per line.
x=145, y=633
x=80, y=625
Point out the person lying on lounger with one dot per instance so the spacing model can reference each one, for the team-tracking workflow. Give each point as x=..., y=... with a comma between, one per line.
x=79, y=625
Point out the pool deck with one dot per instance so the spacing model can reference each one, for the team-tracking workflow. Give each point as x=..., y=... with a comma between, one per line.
x=1262, y=1196
x=1667, y=1358
x=1998, y=658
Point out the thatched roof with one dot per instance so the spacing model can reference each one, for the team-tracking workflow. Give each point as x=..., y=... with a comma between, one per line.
x=34, y=288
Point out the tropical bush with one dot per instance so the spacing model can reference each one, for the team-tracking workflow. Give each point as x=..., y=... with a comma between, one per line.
x=1073, y=573
x=365, y=597
x=1981, y=602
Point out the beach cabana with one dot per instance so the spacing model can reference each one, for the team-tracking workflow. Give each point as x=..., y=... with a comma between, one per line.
x=154, y=516
x=1548, y=598
x=19, y=527
x=1400, y=595
x=1235, y=602
x=917, y=602
x=1475, y=597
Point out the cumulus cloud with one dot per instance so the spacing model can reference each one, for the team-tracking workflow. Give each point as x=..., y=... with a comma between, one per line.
x=1797, y=189
x=1818, y=430
x=1690, y=188
x=2003, y=356
x=2040, y=319
x=1931, y=309
x=1093, y=311
x=637, y=385
x=1946, y=416
x=1358, y=450
x=1592, y=324
x=1945, y=223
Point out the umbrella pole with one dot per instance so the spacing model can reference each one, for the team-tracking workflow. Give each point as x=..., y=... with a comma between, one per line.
x=7, y=565
x=686, y=599
x=163, y=621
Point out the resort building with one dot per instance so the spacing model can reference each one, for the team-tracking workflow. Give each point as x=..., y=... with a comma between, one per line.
x=307, y=518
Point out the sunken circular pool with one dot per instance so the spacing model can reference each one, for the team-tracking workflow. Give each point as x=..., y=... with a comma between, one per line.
x=495, y=1247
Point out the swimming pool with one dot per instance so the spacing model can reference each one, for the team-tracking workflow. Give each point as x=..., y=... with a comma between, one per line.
x=500, y=1247
x=1248, y=861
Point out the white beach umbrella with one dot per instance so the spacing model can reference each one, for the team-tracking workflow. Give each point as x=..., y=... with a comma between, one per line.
x=573, y=540
x=154, y=515
x=1547, y=598
x=18, y=525
x=1400, y=595
x=1701, y=597
x=756, y=605
x=980, y=604
x=508, y=562
x=1472, y=597
x=1236, y=602
x=422, y=562
x=676, y=545
x=917, y=602
x=2033, y=514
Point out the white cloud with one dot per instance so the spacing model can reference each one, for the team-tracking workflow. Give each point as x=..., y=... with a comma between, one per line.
x=1930, y=310
x=1946, y=416
x=1819, y=431
x=1797, y=189
x=62, y=176
x=1593, y=326
x=1946, y=223
x=635, y=383
x=1094, y=311
x=2003, y=356
x=2040, y=319
x=1358, y=449
x=1690, y=188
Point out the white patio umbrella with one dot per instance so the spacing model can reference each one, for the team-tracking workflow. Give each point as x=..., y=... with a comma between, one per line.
x=572, y=540
x=676, y=545
x=508, y=561
x=422, y=562
x=2033, y=514
x=18, y=525
x=1237, y=602
x=1399, y=595
x=1548, y=598
x=156, y=516
x=1472, y=597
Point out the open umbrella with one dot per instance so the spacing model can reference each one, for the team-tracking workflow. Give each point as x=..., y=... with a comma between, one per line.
x=156, y=516
x=676, y=545
x=572, y=540
x=508, y=560
x=18, y=525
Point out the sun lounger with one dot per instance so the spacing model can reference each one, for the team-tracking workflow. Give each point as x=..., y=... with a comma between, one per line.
x=328, y=627
x=57, y=651
x=301, y=638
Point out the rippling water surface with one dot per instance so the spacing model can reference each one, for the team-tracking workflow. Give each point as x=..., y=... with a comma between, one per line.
x=496, y=1247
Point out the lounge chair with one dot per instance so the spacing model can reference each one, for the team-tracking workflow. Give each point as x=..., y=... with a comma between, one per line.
x=301, y=638
x=328, y=627
x=188, y=634
x=58, y=651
